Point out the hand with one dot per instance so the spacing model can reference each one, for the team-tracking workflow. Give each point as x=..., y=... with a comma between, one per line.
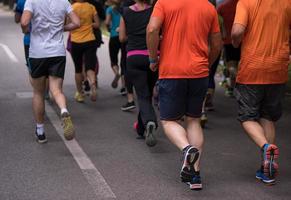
x=154, y=66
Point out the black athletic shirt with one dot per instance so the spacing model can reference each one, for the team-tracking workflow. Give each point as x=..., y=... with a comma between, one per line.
x=136, y=23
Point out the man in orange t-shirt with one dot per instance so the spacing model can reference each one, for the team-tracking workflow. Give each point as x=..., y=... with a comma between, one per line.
x=191, y=41
x=262, y=28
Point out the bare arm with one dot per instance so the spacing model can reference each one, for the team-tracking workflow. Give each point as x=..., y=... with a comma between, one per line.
x=153, y=40
x=74, y=22
x=96, y=23
x=122, y=31
x=25, y=21
x=215, y=41
x=237, y=34
x=108, y=21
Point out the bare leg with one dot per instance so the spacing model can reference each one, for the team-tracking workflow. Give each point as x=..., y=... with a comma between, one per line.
x=79, y=79
x=269, y=130
x=38, y=99
x=56, y=85
x=92, y=80
x=130, y=97
x=176, y=134
x=195, y=136
x=255, y=132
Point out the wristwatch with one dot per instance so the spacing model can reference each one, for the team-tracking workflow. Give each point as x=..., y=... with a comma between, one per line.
x=152, y=61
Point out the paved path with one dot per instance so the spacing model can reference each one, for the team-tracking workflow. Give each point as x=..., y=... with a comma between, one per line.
x=114, y=165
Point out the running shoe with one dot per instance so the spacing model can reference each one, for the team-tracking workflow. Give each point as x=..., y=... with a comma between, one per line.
x=114, y=83
x=265, y=179
x=150, y=134
x=79, y=97
x=123, y=91
x=93, y=93
x=190, y=156
x=69, y=130
x=128, y=106
x=270, y=156
x=203, y=120
x=41, y=139
x=195, y=183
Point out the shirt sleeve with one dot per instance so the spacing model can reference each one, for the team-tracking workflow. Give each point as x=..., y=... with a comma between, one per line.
x=69, y=8
x=19, y=7
x=28, y=6
x=109, y=11
x=215, y=28
x=159, y=10
x=94, y=11
x=241, y=16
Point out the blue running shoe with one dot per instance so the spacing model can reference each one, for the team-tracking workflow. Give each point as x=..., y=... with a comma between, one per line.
x=270, y=156
x=265, y=179
x=190, y=157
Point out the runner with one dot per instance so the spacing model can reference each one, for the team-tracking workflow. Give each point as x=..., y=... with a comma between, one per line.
x=26, y=40
x=84, y=48
x=263, y=73
x=112, y=21
x=232, y=55
x=47, y=56
x=133, y=27
x=183, y=72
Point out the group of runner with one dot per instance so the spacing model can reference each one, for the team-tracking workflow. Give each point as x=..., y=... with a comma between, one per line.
x=176, y=43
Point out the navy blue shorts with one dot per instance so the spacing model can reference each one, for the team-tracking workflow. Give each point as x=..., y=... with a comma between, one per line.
x=180, y=97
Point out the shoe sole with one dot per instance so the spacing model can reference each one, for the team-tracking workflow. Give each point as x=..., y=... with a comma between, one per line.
x=270, y=182
x=128, y=108
x=186, y=174
x=270, y=164
x=69, y=133
x=41, y=141
x=150, y=137
x=196, y=187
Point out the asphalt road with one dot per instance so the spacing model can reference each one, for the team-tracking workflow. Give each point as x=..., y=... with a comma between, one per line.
x=124, y=168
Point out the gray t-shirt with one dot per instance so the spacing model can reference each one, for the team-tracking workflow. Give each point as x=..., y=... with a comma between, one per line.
x=47, y=27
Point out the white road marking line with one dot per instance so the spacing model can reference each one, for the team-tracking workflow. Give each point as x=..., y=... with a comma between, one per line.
x=24, y=95
x=90, y=172
x=9, y=53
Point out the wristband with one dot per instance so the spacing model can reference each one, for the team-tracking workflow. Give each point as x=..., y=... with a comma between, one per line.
x=152, y=61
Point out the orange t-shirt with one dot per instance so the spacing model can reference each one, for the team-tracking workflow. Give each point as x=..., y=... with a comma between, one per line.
x=86, y=13
x=227, y=11
x=265, y=47
x=186, y=28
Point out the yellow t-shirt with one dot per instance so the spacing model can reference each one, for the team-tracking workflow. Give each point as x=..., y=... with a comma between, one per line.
x=86, y=13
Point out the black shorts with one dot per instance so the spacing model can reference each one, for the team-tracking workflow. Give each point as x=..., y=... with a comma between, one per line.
x=259, y=101
x=114, y=47
x=179, y=97
x=231, y=53
x=54, y=66
x=84, y=53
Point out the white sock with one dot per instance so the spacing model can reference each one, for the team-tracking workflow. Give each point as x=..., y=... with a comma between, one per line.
x=64, y=110
x=39, y=129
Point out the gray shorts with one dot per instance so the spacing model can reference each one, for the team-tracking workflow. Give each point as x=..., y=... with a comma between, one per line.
x=259, y=101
